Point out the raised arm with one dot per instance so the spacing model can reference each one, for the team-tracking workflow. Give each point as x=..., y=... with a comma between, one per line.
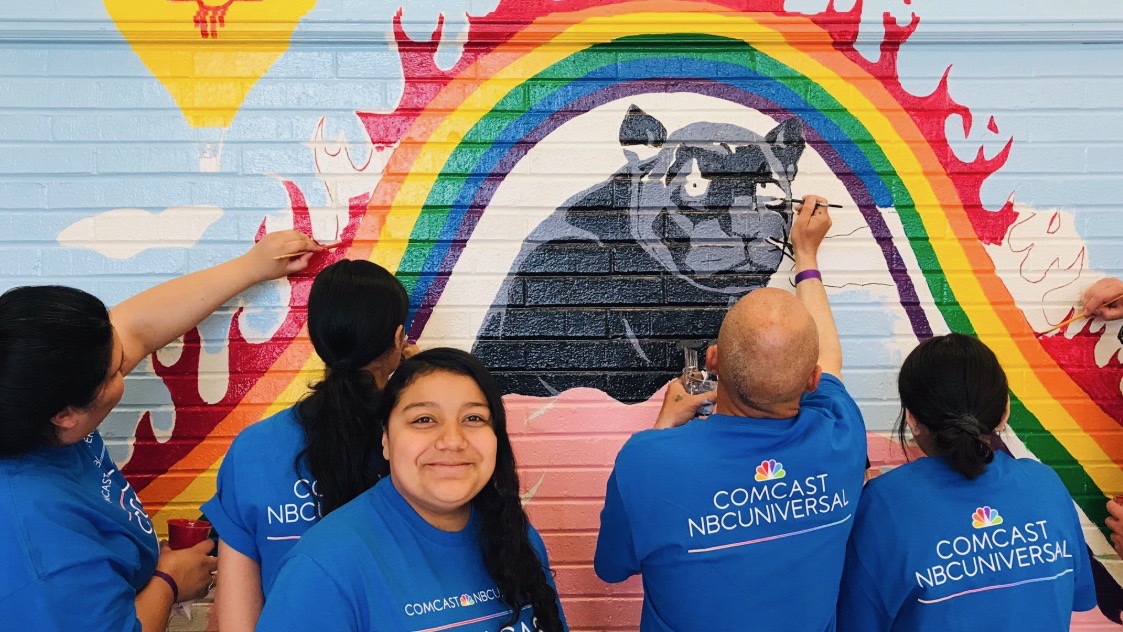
x=808, y=230
x=150, y=320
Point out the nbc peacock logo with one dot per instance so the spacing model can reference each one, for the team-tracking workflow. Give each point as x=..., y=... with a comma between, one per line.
x=985, y=517
x=770, y=470
x=466, y=600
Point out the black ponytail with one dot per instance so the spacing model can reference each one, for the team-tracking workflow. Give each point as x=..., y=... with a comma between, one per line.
x=354, y=311
x=955, y=387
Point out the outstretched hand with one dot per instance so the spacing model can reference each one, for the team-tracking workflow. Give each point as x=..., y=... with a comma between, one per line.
x=262, y=261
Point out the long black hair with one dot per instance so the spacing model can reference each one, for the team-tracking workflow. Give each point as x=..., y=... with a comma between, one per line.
x=354, y=311
x=956, y=388
x=56, y=345
x=509, y=557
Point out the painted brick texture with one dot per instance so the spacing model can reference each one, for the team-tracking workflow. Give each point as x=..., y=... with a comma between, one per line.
x=491, y=163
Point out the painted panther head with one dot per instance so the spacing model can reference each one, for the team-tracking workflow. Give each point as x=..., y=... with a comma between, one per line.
x=710, y=204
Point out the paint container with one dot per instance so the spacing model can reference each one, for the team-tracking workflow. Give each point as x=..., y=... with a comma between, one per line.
x=184, y=533
x=696, y=379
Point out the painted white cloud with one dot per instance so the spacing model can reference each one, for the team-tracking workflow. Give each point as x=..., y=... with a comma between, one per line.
x=125, y=232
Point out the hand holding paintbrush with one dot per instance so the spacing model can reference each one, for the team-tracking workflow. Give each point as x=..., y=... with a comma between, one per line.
x=299, y=253
x=1103, y=300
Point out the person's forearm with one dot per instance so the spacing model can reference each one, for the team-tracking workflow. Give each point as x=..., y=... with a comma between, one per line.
x=154, y=606
x=152, y=319
x=238, y=596
x=813, y=295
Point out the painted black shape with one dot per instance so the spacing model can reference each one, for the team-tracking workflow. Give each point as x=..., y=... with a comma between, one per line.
x=502, y=354
x=593, y=290
x=637, y=386
x=584, y=355
x=567, y=257
x=667, y=322
x=640, y=128
x=534, y=381
x=586, y=323
x=526, y=323
x=681, y=292
x=650, y=257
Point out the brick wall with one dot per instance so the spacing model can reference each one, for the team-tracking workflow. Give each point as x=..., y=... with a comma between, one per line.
x=497, y=167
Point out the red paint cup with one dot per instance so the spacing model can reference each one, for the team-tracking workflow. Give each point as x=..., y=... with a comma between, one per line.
x=184, y=533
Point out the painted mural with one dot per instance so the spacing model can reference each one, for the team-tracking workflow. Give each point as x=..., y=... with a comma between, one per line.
x=576, y=191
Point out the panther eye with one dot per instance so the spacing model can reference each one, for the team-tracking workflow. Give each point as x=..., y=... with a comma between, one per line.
x=695, y=184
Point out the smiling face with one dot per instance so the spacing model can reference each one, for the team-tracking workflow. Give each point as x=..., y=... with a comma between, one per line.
x=441, y=447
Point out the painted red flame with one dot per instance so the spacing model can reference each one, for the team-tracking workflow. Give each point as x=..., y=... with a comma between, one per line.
x=249, y=362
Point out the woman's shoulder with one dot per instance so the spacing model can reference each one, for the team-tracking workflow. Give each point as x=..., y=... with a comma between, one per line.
x=905, y=475
x=346, y=536
x=1039, y=475
x=278, y=432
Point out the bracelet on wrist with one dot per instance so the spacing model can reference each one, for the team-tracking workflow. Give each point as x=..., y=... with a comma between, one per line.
x=810, y=273
x=171, y=584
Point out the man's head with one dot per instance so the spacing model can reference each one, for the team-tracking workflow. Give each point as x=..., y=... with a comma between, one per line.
x=767, y=352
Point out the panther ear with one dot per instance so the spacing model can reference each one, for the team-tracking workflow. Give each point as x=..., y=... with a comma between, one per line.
x=640, y=128
x=786, y=141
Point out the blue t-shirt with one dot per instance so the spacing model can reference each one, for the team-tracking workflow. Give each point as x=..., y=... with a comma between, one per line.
x=932, y=550
x=262, y=506
x=374, y=565
x=75, y=543
x=738, y=523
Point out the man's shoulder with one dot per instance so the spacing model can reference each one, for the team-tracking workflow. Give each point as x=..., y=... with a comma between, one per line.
x=646, y=443
x=830, y=388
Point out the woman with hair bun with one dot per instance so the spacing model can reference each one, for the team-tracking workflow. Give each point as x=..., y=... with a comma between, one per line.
x=967, y=538
x=282, y=474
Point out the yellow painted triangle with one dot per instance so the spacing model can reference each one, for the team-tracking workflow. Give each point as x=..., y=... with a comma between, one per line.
x=208, y=55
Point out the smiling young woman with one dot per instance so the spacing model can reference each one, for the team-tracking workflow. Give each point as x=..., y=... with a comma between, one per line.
x=442, y=541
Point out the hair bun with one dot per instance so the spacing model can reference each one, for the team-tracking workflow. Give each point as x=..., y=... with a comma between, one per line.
x=342, y=368
x=968, y=425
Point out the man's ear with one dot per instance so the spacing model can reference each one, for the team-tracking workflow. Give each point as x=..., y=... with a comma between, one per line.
x=813, y=379
x=711, y=358
x=385, y=448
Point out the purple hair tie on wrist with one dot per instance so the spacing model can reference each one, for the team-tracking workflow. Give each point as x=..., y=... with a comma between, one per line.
x=171, y=584
x=810, y=273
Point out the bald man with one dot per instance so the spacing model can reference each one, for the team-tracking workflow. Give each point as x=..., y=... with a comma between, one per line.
x=739, y=521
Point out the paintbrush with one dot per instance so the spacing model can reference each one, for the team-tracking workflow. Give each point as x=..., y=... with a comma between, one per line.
x=769, y=202
x=1068, y=321
x=304, y=252
x=793, y=201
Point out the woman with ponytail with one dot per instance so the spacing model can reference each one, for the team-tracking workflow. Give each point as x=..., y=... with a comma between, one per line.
x=969, y=537
x=282, y=474
x=441, y=543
